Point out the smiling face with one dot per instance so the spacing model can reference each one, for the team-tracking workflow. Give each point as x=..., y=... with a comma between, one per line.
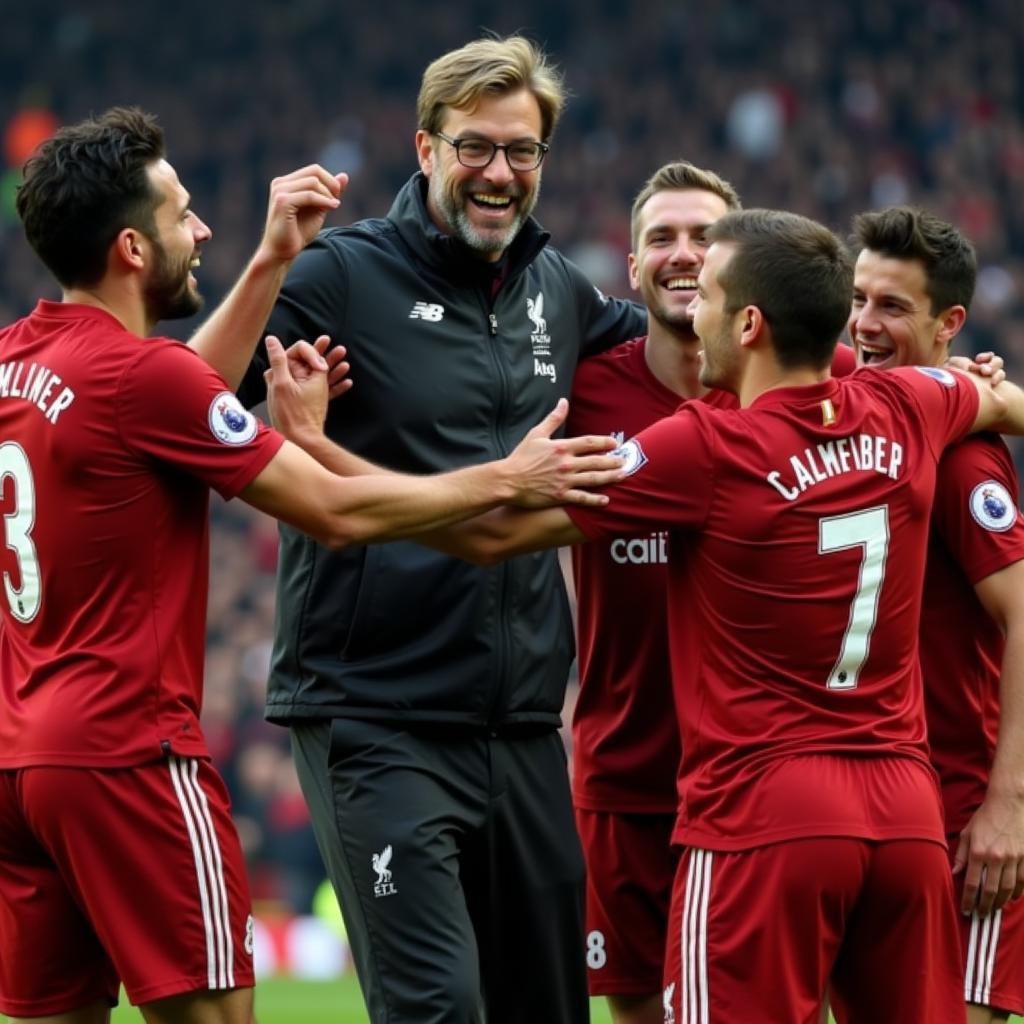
x=891, y=323
x=171, y=290
x=483, y=207
x=670, y=251
x=715, y=327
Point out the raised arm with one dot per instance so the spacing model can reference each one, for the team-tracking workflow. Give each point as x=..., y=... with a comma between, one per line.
x=298, y=204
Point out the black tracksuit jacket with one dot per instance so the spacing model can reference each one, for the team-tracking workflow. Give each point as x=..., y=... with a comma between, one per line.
x=449, y=371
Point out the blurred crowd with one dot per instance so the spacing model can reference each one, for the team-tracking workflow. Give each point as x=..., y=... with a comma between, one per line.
x=826, y=109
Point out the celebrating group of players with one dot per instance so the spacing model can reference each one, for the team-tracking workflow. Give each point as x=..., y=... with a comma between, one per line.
x=797, y=747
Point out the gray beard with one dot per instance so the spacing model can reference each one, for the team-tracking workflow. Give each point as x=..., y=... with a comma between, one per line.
x=466, y=232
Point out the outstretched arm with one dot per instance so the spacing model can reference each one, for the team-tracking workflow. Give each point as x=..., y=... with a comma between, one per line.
x=547, y=470
x=339, y=510
x=299, y=202
x=991, y=845
x=503, y=533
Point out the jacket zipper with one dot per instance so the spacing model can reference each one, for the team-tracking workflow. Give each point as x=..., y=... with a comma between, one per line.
x=504, y=580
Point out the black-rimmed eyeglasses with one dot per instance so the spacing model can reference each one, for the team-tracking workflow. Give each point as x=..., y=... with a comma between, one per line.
x=478, y=153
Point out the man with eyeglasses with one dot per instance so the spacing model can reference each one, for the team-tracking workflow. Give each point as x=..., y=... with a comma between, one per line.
x=424, y=694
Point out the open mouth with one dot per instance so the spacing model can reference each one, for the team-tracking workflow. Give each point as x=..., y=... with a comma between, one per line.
x=491, y=204
x=680, y=283
x=873, y=355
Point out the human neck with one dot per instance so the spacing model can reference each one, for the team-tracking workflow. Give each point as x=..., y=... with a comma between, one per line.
x=764, y=376
x=674, y=357
x=124, y=308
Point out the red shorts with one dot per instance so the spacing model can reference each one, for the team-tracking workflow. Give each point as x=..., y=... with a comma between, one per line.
x=755, y=935
x=630, y=867
x=131, y=874
x=993, y=950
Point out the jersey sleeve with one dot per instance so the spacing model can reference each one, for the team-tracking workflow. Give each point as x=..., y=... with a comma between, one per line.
x=947, y=401
x=669, y=482
x=172, y=407
x=975, y=513
x=844, y=362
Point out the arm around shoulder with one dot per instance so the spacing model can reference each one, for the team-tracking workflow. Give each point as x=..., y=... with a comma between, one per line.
x=1000, y=408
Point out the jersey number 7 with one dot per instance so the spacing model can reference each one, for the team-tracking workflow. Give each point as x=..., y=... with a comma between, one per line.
x=868, y=530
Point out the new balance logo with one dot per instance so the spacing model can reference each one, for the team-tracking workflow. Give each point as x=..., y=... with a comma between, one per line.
x=427, y=311
x=383, y=885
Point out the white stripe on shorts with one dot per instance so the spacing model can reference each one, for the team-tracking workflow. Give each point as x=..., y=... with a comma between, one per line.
x=694, y=941
x=209, y=872
x=981, y=957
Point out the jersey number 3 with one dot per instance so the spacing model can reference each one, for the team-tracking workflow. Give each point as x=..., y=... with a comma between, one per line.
x=868, y=530
x=16, y=472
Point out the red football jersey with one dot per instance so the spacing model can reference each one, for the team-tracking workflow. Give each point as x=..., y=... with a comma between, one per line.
x=108, y=445
x=798, y=530
x=976, y=531
x=625, y=738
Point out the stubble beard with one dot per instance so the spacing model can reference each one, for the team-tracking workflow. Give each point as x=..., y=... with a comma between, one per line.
x=168, y=295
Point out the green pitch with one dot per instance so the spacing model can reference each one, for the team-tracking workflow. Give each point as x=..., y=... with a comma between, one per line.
x=285, y=1001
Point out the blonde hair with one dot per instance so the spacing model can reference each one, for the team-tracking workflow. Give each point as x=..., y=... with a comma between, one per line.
x=460, y=78
x=679, y=176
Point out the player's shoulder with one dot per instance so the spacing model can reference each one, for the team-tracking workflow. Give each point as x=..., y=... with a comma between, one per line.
x=844, y=362
x=360, y=236
x=615, y=362
x=981, y=454
x=901, y=384
x=162, y=358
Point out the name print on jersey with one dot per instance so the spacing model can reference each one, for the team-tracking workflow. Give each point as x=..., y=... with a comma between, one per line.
x=540, y=340
x=844, y=455
x=35, y=384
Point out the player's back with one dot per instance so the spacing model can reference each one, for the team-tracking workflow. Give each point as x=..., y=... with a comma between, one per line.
x=802, y=589
x=106, y=551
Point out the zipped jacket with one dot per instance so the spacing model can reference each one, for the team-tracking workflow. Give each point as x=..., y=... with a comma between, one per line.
x=454, y=360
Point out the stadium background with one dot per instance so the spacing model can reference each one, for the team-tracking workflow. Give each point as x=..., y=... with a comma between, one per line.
x=823, y=108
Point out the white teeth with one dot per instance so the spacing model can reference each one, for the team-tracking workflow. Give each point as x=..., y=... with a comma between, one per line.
x=681, y=282
x=193, y=263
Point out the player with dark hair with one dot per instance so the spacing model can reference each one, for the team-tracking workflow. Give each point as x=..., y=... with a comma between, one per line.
x=810, y=821
x=913, y=284
x=118, y=858
x=625, y=744
x=424, y=694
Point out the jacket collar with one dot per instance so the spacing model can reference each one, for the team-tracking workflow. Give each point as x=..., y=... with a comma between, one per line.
x=446, y=253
